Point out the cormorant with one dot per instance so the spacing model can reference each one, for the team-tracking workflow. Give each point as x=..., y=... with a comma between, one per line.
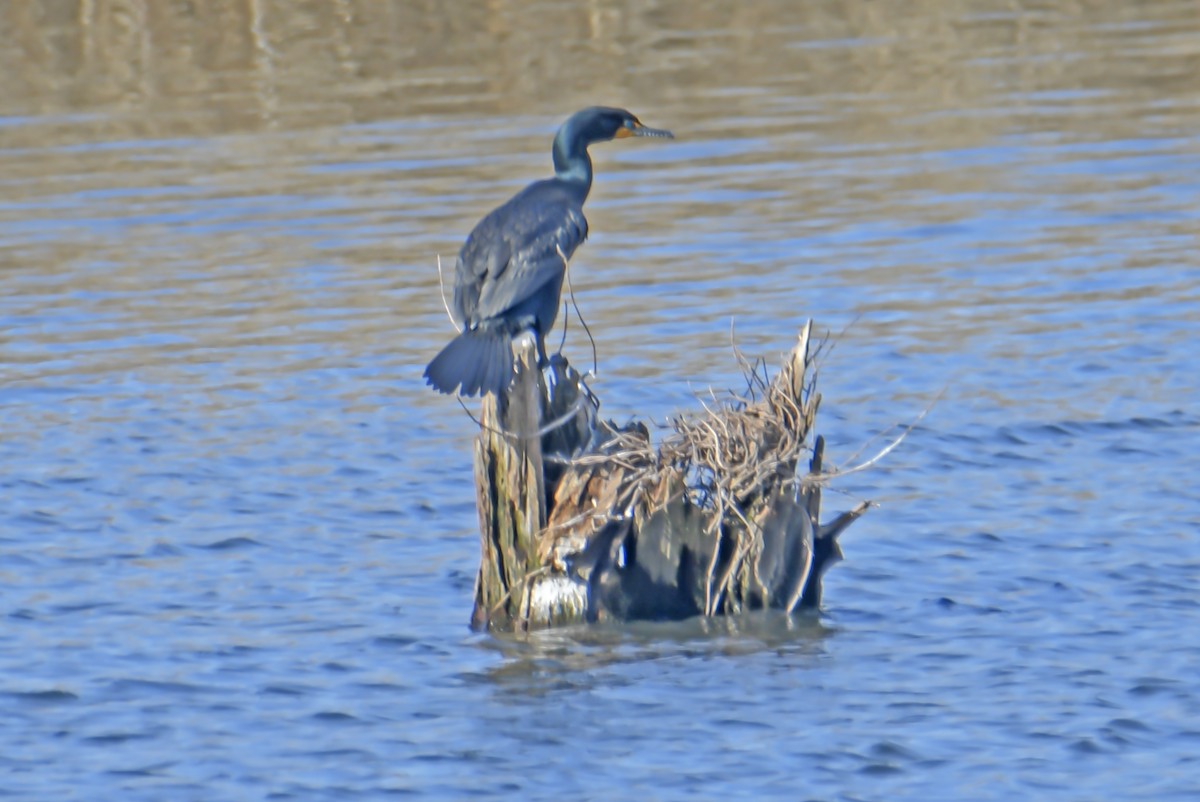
x=509, y=275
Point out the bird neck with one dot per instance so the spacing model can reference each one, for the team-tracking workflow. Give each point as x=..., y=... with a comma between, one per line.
x=572, y=162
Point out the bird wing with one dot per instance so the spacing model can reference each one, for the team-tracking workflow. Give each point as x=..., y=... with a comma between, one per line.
x=516, y=251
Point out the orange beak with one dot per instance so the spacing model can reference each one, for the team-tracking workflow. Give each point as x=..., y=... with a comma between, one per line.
x=640, y=130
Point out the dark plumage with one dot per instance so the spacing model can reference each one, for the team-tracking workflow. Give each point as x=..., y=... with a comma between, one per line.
x=510, y=270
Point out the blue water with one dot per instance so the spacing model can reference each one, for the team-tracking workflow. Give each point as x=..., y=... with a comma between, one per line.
x=238, y=535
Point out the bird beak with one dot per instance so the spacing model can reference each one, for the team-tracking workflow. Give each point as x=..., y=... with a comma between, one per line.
x=641, y=130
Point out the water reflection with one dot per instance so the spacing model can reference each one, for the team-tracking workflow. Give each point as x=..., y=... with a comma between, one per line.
x=573, y=659
x=234, y=66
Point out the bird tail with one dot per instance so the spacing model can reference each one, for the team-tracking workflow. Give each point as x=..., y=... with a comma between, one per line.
x=479, y=361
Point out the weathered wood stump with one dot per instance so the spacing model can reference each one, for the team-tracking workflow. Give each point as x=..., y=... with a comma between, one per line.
x=581, y=520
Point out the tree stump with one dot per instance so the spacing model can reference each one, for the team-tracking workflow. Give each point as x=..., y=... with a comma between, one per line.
x=581, y=520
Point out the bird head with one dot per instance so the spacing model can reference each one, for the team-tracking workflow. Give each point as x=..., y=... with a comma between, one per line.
x=602, y=123
x=595, y=124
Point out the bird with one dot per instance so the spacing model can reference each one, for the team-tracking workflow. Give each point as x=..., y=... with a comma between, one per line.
x=509, y=275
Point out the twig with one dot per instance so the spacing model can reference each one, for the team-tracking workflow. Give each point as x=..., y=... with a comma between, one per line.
x=442, y=286
x=519, y=583
x=582, y=322
x=890, y=446
x=513, y=437
x=566, y=324
x=743, y=362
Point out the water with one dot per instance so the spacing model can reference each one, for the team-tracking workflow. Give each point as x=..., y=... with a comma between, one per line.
x=237, y=542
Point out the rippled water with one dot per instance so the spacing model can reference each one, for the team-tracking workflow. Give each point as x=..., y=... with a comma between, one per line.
x=237, y=543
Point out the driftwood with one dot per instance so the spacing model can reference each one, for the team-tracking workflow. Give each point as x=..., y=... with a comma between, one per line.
x=582, y=520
